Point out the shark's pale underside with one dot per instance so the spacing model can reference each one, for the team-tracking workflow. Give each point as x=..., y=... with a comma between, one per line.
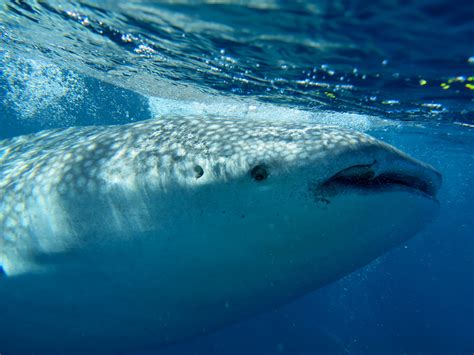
x=123, y=238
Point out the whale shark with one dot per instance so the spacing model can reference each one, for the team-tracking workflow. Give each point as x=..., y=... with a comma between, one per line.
x=126, y=238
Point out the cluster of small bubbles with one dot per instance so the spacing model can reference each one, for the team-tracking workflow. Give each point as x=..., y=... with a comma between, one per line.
x=127, y=38
x=35, y=86
x=390, y=102
x=144, y=50
x=139, y=46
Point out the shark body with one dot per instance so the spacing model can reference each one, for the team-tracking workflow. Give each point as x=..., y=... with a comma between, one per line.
x=124, y=238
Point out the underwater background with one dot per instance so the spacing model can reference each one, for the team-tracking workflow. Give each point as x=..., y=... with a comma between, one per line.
x=400, y=70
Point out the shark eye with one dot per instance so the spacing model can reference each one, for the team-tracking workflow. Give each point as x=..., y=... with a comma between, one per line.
x=199, y=171
x=259, y=173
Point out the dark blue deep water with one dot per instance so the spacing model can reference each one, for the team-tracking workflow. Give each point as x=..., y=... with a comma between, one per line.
x=402, y=71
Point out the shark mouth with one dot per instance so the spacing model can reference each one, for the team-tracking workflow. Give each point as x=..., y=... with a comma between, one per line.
x=423, y=180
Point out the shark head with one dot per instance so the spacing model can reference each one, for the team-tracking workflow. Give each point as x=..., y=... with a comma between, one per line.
x=292, y=196
x=194, y=223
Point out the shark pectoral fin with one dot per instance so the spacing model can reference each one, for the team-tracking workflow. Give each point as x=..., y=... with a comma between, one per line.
x=13, y=264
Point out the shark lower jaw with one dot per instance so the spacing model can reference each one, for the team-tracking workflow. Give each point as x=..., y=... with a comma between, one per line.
x=384, y=185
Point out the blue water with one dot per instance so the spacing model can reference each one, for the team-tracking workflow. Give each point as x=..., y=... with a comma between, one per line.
x=402, y=71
